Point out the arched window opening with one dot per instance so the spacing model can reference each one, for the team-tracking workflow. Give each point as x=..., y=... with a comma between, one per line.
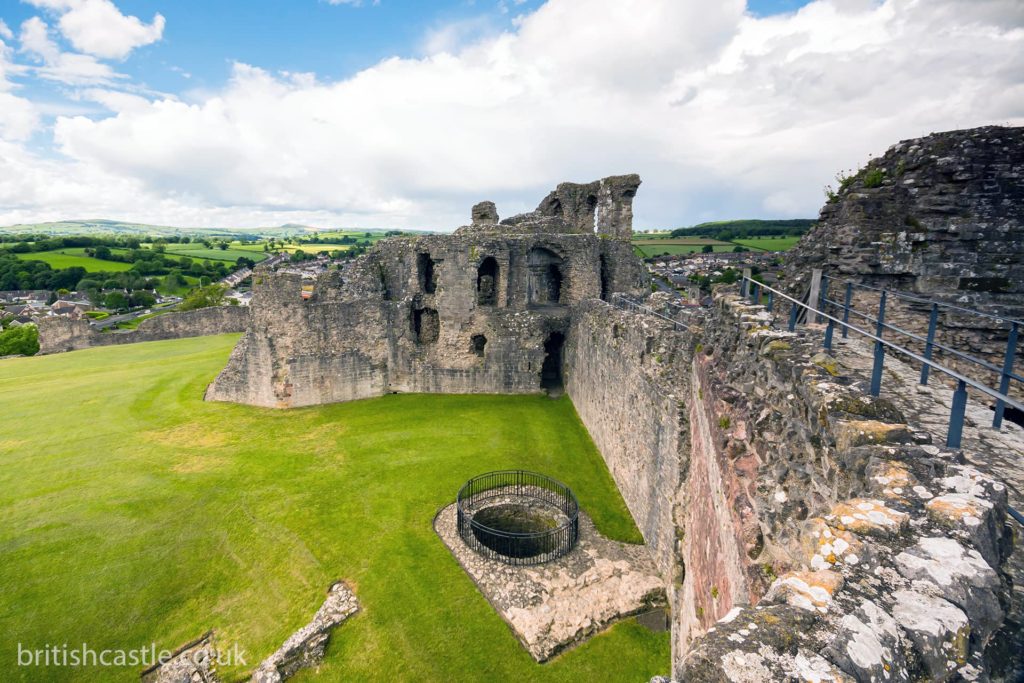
x=478, y=343
x=546, y=277
x=426, y=325
x=605, y=278
x=426, y=274
x=487, y=282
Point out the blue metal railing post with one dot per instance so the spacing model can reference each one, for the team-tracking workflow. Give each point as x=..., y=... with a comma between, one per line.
x=828, y=335
x=771, y=300
x=933, y=321
x=956, y=416
x=876, y=370
x=743, y=287
x=1004, y=379
x=822, y=298
x=755, y=296
x=846, y=309
x=792, y=317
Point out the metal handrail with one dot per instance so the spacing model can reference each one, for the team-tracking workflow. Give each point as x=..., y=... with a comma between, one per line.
x=941, y=304
x=938, y=345
x=635, y=305
x=960, y=395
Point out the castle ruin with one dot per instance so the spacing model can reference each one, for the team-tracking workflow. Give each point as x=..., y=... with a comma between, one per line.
x=485, y=310
x=803, y=530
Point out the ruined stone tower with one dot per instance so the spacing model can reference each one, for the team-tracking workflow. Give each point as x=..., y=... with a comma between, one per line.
x=483, y=310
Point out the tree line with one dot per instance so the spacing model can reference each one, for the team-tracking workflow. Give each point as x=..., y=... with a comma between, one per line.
x=745, y=229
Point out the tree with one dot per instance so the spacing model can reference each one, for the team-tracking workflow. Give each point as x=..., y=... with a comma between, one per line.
x=87, y=285
x=223, y=246
x=140, y=298
x=174, y=280
x=707, y=249
x=204, y=297
x=739, y=249
x=23, y=341
x=102, y=252
x=116, y=301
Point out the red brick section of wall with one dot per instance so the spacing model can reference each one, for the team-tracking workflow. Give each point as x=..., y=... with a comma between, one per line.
x=884, y=553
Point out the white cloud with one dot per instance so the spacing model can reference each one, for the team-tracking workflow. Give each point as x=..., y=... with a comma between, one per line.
x=723, y=114
x=65, y=67
x=98, y=28
x=19, y=118
x=350, y=3
x=5, y=31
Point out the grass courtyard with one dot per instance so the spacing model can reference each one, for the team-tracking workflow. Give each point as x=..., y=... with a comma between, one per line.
x=131, y=512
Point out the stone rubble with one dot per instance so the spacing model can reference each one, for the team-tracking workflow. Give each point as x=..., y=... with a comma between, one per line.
x=305, y=648
x=559, y=604
x=899, y=580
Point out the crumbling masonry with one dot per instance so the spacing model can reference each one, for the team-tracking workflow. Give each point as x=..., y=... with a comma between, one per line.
x=485, y=310
x=802, y=530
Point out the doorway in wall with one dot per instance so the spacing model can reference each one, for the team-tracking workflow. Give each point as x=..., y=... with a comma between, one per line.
x=551, y=370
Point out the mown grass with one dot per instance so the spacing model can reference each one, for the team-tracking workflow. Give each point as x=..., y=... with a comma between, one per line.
x=75, y=256
x=132, y=512
x=198, y=252
x=770, y=243
x=647, y=250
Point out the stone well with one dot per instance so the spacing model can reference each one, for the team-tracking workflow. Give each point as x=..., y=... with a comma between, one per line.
x=518, y=517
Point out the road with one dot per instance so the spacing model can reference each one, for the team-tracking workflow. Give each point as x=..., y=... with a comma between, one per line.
x=125, y=317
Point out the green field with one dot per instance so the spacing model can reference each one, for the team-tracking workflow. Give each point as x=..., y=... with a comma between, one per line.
x=317, y=248
x=140, y=514
x=649, y=248
x=197, y=251
x=75, y=256
x=769, y=243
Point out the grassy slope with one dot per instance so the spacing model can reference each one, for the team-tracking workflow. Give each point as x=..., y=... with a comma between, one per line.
x=75, y=256
x=137, y=513
x=770, y=243
x=647, y=249
x=198, y=252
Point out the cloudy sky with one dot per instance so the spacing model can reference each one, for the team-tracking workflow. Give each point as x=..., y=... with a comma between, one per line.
x=402, y=113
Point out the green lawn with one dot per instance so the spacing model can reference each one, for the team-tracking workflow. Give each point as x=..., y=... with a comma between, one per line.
x=316, y=248
x=75, y=256
x=770, y=243
x=198, y=252
x=132, y=512
x=646, y=249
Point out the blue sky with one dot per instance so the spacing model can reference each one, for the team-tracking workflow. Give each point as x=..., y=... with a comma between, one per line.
x=204, y=38
x=402, y=113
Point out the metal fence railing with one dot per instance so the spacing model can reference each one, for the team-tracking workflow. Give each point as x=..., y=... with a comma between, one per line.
x=755, y=290
x=843, y=310
x=669, y=311
x=517, y=547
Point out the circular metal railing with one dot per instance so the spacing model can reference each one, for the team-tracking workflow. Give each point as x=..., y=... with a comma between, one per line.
x=509, y=487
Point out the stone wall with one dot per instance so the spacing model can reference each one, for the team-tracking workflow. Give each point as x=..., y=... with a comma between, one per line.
x=768, y=486
x=64, y=334
x=624, y=382
x=862, y=551
x=939, y=217
x=484, y=310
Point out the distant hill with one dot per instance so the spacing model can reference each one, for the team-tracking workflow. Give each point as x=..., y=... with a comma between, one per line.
x=108, y=227
x=739, y=229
